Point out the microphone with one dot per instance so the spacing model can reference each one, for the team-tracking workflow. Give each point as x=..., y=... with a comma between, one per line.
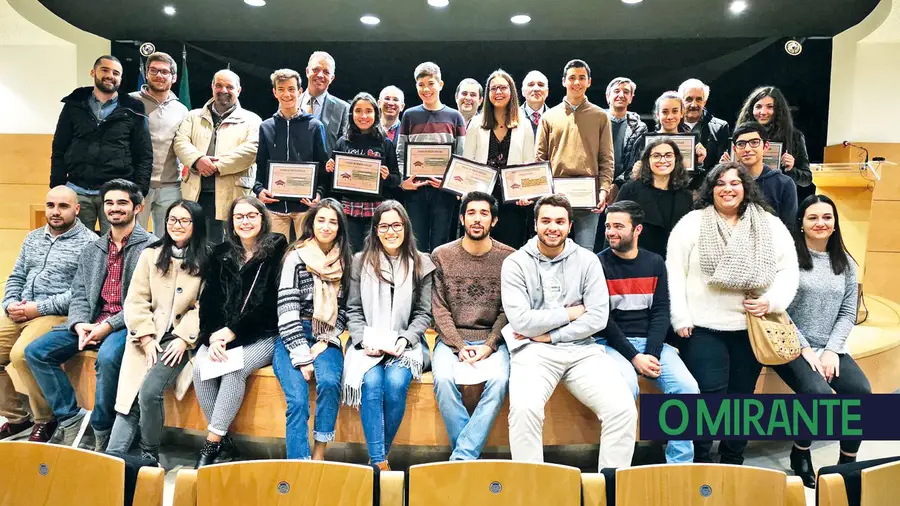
x=864, y=150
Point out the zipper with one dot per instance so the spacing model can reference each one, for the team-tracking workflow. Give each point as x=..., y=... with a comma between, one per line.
x=43, y=266
x=287, y=155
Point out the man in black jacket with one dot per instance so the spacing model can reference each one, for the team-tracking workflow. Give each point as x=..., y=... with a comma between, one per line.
x=627, y=128
x=715, y=134
x=100, y=136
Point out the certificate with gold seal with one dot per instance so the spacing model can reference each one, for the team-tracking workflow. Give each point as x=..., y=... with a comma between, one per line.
x=464, y=176
x=526, y=181
x=581, y=191
x=293, y=180
x=357, y=173
x=427, y=160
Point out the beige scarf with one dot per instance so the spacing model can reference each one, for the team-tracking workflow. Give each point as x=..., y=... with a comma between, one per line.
x=327, y=272
x=740, y=258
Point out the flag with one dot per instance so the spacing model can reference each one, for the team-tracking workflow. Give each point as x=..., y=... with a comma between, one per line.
x=141, y=79
x=184, y=89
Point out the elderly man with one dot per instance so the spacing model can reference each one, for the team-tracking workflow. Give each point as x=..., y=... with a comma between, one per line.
x=534, y=92
x=330, y=110
x=391, y=103
x=715, y=134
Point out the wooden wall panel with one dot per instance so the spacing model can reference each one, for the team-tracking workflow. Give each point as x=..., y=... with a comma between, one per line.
x=24, y=177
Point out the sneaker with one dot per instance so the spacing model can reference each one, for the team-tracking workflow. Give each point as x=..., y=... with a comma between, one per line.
x=42, y=432
x=228, y=452
x=101, y=440
x=66, y=433
x=88, y=440
x=11, y=430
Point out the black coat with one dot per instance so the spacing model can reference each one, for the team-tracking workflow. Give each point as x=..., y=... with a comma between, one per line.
x=226, y=286
x=635, y=128
x=88, y=152
x=715, y=135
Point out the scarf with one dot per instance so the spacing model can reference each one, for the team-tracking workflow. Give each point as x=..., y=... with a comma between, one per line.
x=327, y=272
x=740, y=258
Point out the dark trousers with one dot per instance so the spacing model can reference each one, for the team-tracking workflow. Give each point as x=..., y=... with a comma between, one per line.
x=513, y=225
x=215, y=229
x=357, y=229
x=434, y=216
x=803, y=380
x=722, y=363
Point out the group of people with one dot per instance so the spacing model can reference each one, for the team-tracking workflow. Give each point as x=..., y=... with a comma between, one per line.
x=220, y=283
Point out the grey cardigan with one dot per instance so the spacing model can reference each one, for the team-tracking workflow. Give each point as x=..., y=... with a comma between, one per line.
x=91, y=274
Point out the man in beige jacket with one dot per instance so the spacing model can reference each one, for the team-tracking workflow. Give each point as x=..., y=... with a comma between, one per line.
x=217, y=145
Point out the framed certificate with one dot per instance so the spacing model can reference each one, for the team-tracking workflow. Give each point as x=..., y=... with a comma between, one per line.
x=686, y=142
x=526, y=182
x=772, y=157
x=427, y=160
x=581, y=191
x=464, y=176
x=293, y=180
x=357, y=173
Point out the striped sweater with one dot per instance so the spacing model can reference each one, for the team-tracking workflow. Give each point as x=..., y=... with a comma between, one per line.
x=443, y=126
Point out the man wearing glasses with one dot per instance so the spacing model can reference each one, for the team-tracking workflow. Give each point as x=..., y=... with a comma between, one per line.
x=165, y=113
x=778, y=189
x=330, y=110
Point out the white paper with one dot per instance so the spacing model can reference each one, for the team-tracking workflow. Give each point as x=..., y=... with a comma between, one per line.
x=511, y=342
x=478, y=372
x=380, y=339
x=235, y=362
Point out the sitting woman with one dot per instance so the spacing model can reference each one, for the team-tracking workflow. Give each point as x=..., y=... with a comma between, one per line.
x=824, y=312
x=390, y=298
x=312, y=315
x=163, y=323
x=238, y=318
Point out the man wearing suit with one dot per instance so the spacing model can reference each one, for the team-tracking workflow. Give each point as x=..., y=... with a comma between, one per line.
x=534, y=93
x=331, y=111
x=715, y=134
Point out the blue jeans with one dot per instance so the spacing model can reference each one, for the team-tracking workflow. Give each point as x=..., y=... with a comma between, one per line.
x=467, y=434
x=584, y=229
x=44, y=357
x=329, y=366
x=383, y=404
x=674, y=379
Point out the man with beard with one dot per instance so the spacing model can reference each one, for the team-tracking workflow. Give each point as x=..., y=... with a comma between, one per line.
x=391, y=103
x=714, y=132
x=96, y=321
x=534, y=92
x=468, y=316
x=100, y=136
x=469, y=95
x=555, y=297
x=165, y=114
x=639, y=309
x=333, y=112
x=36, y=300
x=217, y=144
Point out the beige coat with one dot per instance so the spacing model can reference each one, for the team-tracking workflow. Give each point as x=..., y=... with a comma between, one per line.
x=153, y=301
x=237, y=139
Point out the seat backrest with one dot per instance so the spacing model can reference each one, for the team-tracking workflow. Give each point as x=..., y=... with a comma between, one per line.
x=881, y=485
x=285, y=483
x=53, y=475
x=494, y=483
x=700, y=484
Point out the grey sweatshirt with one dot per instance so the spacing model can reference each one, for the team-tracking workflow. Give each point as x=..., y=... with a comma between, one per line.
x=45, y=267
x=824, y=309
x=536, y=291
x=164, y=120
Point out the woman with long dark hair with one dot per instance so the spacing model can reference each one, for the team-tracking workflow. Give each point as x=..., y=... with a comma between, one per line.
x=824, y=312
x=312, y=314
x=163, y=324
x=390, y=297
x=238, y=311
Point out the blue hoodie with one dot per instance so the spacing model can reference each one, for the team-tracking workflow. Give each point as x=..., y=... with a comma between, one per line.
x=780, y=192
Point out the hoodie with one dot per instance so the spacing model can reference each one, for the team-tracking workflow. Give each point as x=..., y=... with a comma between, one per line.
x=536, y=291
x=780, y=192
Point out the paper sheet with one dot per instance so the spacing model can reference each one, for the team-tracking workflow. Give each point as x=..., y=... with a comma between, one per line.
x=479, y=372
x=380, y=339
x=511, y=342
x=210, y=369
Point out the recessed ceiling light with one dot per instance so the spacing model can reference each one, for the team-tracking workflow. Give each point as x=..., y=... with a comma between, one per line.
x=368, y=19
x=169, y=10
x=520, y=19
x=438, y=3
x=255, y=3
x=737, y=6
x=631, y=1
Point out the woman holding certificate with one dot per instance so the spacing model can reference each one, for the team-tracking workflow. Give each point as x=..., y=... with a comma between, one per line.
x=496, y=138
x=669, y=113
x=388, y=312
x=363, y=139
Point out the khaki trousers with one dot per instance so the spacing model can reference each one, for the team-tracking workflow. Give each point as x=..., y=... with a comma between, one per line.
x=15, y=378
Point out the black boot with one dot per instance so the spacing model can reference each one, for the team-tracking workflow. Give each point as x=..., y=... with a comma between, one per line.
x=208, y=454
x=845, y=459
x=228, y=452
x=801, y=464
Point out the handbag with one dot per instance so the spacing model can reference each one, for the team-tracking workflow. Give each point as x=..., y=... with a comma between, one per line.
x=773, y=338
x=862, y=311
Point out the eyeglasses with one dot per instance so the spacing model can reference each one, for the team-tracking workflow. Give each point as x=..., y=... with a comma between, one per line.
x=159, y=72
x=500, y=89
x=396, y=227
x=754, y=143
x=655, y=157
x=250, y=216
x=184, y=222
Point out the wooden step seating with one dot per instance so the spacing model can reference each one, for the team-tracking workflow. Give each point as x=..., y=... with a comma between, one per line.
x=879, y=486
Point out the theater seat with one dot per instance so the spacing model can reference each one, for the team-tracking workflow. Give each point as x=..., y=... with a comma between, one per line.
x=494, y=483
x=287, y=483
x=865, y=483
x=53, y=475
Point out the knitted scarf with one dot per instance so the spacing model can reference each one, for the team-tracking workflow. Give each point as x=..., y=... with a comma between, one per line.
x=327, y=271
x=740, y=258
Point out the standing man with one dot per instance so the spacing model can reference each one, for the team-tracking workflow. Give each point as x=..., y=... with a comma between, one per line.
x=100, y=136
x=468, y=316
x=556, y=300
x=779, y=190
x=534, y=92
x=96, y=321
x=715, y=134
x=218, y=143
x=627, y=126
x=330, y=110
x=391, y=103
x=469, y=95
x=166, y=114
x=36, y=300
x=576, y=138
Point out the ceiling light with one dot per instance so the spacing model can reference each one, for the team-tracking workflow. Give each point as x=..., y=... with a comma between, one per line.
x=255, y=3
x=169, y=10
x=631, y=1
x=369, y=19
x=737, y=6
x=438, y=3
x=520, y=19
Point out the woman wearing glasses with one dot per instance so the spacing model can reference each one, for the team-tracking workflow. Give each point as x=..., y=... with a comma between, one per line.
x=496, y=138
x=388, y=312
x=163, y=321
x=238, y=319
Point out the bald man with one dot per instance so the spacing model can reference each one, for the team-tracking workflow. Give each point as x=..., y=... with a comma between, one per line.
x=37, y=299
x=217, y=144
x=534, y=90
x=391, y=102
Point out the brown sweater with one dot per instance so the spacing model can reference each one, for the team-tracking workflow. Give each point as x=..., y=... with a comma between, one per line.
x=466, y=298
x=577, y=143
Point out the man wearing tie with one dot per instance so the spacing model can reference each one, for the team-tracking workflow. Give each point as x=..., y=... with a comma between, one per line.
x=331, y=111
x=534, y=91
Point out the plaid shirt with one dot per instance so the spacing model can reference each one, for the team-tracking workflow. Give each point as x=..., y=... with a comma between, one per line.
x=359, y=209
x=111, y=293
